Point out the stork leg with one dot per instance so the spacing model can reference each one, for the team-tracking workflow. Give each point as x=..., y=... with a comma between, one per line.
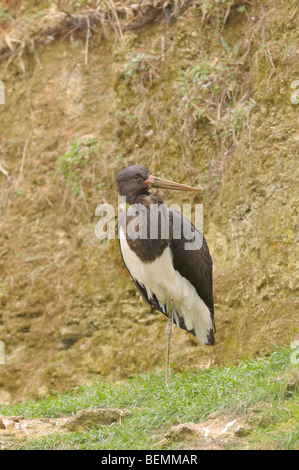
x=168, y=332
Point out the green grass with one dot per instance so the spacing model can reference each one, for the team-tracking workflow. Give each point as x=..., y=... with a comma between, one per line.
x=254, y=389
x=5, y=16
x=80, y=154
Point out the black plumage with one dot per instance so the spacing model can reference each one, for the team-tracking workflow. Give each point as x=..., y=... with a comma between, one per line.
x=194, y=265
x=197, y=267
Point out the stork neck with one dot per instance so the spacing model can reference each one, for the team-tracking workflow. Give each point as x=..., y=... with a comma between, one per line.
x=145, y=245
x=145, y=199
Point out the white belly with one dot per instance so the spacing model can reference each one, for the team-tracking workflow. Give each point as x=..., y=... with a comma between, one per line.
x=160, y=278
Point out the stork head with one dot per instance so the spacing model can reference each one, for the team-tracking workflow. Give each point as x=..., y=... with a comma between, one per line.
x=131, y=181
x=136, y=180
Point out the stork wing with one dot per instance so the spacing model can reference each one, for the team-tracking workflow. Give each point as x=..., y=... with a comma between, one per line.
x=195, y=265
x=153, y=302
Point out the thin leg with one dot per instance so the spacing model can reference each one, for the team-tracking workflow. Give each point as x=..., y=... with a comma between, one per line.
x=168, y=332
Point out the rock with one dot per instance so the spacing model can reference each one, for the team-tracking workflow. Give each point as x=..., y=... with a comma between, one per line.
x=292, y=386
x=182, y=431
x=9, y=423
x=216, y=429
x=242, y=431
x=70, y=335
x=85, y=419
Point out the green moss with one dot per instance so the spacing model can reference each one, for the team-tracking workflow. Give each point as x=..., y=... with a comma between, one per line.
x=5, y=16
x=80, y=153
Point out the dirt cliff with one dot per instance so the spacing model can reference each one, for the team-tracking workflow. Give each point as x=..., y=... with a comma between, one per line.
x=205, y=95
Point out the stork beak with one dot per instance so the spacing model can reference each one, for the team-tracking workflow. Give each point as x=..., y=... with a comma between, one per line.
x=155, y=182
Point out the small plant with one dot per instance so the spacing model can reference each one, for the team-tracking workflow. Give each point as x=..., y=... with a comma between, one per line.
x=234, y=53
x=140, y=65
x=238, y=114
x=5, y=16
x=78, y=156
x=199, y=83
x=198, y=76
x=101, y=186
x=19, y=192
x=81, y=3
x=219, y=8
x=3, y=290
x=211, y=96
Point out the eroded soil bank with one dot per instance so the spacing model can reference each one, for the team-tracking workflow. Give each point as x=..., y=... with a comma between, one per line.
x=206, y=100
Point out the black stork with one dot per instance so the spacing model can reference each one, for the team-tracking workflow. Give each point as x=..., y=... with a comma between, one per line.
x=172, y=279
